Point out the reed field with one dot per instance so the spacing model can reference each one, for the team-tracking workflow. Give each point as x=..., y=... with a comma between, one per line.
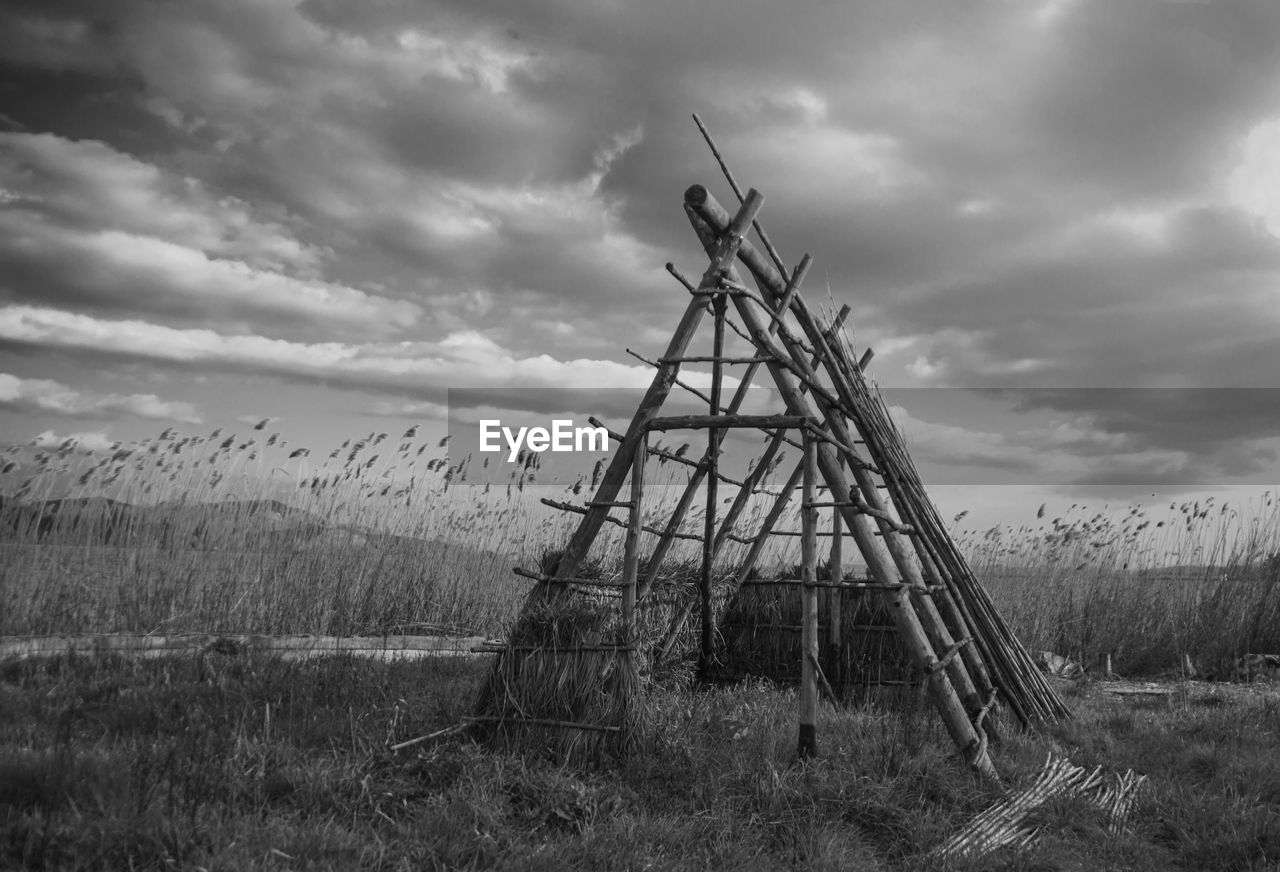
x=223, y=533
x=242, y=761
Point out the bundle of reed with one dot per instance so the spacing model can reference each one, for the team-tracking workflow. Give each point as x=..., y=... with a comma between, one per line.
x=569, y=681
x=964, y=602
x=566, y=682
x=1006, y=824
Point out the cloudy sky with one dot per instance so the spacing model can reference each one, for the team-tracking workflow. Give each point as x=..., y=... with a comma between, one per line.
x=331, y=213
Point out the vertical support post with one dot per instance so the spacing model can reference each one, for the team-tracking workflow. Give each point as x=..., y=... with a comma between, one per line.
x=835, y=636
x=712, y=460
x=630, y=577
x=808, y=745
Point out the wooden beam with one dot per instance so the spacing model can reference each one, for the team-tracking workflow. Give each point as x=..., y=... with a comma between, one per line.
x=707, y=638
x=723, y=422
x=808, y=742
x=835, y=570
x=630, y=571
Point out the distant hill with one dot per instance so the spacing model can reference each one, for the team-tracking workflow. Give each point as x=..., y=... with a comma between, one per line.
x=248, y=525
x=104, y=521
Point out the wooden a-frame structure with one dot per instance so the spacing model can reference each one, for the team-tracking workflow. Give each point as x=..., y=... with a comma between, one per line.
x=958, y=643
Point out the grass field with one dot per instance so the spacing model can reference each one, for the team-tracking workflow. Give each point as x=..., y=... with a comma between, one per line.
x=235, y=764
x=242, y=762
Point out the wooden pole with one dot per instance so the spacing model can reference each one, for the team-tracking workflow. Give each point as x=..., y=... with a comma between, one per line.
x=630, y=571
x=726, y=422
x=808, y=742
x=707, y=649
x=835, y=597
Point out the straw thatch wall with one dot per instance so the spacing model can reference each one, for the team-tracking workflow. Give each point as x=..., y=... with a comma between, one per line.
x=761, y=629
x=566, y=662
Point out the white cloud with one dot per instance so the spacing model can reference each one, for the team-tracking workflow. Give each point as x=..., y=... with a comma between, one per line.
x=88, y=184
x=1050, y=12
x=925, y=369
x=139, y=272
x=103, y=227
x=51, y=397
x=858, y=163
x=425, y=410
x=85, y=441
x=977, y=207
x=1059, y=451
x=463, y=358
x=1254, y=184
x=474, y=58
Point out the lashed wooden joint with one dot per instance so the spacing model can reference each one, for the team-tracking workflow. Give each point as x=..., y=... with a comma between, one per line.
x=946, y=659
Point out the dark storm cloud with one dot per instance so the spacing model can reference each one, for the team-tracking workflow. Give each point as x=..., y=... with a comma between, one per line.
x=1191, y=435
x=1124, y=438
x=1009, y=194
x=1188, y=301
x=94, y=230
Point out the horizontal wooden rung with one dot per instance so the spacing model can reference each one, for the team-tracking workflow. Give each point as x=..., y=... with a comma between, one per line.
x=945, y=660
x=667, y=454
x=551, y=579
x=617, y=504
x=799, y=533
x=848, y=585
x=704, y=422
x=702, y=358
x=497, y=647
x=542, y=722
x=582, y=510
x=823, y=625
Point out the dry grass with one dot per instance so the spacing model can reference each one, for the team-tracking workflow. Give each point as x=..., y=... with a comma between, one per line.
x=245, y=763
x=1201, y=580
x=181, y=533
x=223, y=533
